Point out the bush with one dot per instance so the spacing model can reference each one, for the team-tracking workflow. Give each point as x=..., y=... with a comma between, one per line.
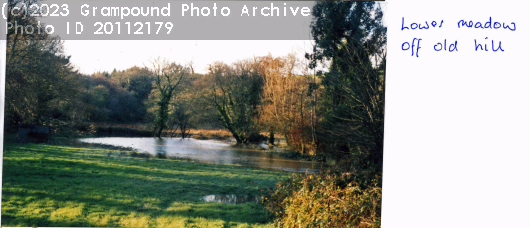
x=38, y=137
x=299, y=139
x=299, y=156
x=84, y=128
x=122, y=131
x=255, y=137
x=326, y=200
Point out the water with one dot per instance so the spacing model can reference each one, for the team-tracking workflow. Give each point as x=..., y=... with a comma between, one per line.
x=210, y=151
x=231, y=199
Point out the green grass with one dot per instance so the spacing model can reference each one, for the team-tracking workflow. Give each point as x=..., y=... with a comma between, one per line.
x=59, y=185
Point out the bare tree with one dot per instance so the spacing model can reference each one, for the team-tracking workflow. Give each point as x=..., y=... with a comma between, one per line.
x=235, y=93
x=288, y=106
x=167, y=79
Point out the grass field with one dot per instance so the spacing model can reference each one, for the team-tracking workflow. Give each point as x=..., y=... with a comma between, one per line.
x=59, y=185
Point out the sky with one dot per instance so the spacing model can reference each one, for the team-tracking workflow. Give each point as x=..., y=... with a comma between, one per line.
x=89, y=56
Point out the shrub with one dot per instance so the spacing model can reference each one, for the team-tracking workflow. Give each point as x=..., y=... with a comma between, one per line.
x=161, y=155
x=299, y=139
x=38, y=137
x=122, y=131
x=326, y=200
x=255, y=137
x=299, y=156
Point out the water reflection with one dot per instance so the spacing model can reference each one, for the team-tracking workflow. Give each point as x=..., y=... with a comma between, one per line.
x=209, y=151
x=231, y=199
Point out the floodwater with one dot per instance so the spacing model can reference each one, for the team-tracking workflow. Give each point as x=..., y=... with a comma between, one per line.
x=210, y=151
x=231, y=199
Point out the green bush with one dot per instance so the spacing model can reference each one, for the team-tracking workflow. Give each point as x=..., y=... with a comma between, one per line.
x=326, y=200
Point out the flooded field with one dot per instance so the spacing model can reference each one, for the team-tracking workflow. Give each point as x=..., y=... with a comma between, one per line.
x=210, y=151
x=231, y=199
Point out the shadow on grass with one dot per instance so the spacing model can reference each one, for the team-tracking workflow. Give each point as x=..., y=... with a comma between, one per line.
x=46, y=185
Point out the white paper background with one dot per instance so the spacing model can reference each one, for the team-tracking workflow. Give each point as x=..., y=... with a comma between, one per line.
x=456, y=126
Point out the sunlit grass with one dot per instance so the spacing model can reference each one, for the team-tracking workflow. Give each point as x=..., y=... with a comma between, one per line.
x=55, y=185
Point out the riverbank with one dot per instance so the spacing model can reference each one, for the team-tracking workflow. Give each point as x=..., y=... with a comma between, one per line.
x=138, y=130
x=299, y=156
x=143, y=130
x=216, y=134
x=69, y=185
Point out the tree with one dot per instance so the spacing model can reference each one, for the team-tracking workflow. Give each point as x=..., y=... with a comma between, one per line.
x=180, y=118
x=352, y=36
x=167, y=77
x=185, y=108
x=40, y=81
x=287, y=101
x=235, y=93
x=136, y=80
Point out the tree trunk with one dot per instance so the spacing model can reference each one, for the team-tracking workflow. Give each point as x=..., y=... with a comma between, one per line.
x=162, y=116
x=159, y=132
x=271, y=138
x=238, y=139
x=183, y=129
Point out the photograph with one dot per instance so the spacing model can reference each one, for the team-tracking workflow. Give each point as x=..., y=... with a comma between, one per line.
x=193, y=114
